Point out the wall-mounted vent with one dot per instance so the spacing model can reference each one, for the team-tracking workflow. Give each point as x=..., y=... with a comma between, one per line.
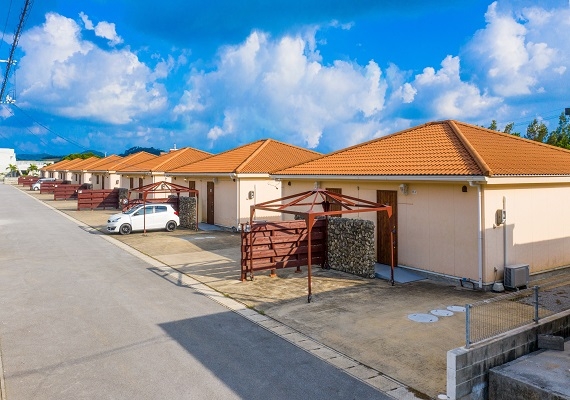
x=516, y=276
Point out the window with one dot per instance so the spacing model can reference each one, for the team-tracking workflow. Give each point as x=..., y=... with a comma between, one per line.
x=146, y=210
x=160, y=209
x=97, y=178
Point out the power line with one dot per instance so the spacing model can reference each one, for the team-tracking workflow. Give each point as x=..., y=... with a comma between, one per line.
x=42, y=141
x=49, y=130
x=23, y=17
x=6, y=24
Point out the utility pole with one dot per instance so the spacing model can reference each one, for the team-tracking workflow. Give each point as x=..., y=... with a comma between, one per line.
x=10, y=61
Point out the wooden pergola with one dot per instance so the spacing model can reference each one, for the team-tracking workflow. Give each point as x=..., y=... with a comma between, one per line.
x=162, y=187
x=318, y=203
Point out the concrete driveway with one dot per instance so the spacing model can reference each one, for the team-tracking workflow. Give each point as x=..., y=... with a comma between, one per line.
x=365, y=319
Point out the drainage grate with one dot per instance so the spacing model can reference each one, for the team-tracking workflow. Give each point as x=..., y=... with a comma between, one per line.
x=423, y=318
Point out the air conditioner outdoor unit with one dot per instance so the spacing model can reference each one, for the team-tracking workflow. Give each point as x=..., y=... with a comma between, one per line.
x=516, y=276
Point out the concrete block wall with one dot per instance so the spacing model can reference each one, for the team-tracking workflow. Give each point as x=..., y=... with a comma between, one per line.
x=468, y=369
x=350, y=244
x=11, y=180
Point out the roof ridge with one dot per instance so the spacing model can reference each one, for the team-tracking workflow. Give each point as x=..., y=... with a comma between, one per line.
x=252, y=155
x=514, y=137
x=295, y=146
x=469, y=147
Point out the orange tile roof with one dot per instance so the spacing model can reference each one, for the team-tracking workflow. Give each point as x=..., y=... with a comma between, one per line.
x=168, y=161
x=83, y=164
x=116, y=164
x=262, y=156
x=56, y=166
x=70, y=164
x=102, y=161
x=444, y=148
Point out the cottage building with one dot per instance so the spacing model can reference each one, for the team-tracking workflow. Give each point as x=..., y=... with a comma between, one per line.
x=104, y=175
x=153, y=169
x=230, y=182
x=467, y=201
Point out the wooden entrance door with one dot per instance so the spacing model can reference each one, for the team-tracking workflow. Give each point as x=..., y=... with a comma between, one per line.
x=210, y=204
x=335, y=206
x=386, y=225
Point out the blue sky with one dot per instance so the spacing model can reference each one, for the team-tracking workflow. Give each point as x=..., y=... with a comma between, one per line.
x=111, y=74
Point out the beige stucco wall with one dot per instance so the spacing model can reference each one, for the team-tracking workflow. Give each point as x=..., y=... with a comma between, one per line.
x=437, y=222
x=231, y=197
x=224, y=199
x=538, y=227
x=263, y=190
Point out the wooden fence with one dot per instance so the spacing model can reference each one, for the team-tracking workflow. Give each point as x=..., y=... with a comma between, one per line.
x=272, y=245
x=49, y=187
x=65, y=192
x=92, y=199
x=27, y=180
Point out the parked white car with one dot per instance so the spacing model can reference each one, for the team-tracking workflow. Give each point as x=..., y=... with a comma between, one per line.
x=38, y=183
x=139, y=217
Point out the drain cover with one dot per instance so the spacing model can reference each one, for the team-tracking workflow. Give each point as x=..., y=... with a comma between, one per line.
x=441, y=313
x=456, y=308
x=423, y=318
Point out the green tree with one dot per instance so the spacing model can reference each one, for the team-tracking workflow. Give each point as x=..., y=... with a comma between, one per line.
x=508, y=128
x=13, y=170
x=32, y=169
x=536, y=131
x=83, y=156
x=561, y=135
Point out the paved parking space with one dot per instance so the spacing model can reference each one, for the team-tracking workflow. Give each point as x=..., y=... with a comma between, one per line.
x=365, y=319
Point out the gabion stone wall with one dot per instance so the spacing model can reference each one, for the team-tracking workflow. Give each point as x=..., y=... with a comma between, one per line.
x=351, y=246
x=123, y=196
x=187, y=213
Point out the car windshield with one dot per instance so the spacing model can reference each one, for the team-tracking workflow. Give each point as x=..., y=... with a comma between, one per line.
x=132, y=210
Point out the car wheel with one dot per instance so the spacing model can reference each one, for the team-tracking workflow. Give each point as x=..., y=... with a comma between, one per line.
x=36, y=188
x=170, y=226
x=125, y=229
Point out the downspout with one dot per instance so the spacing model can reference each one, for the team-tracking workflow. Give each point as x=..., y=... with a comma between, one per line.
x=505, y=231
x=479, y=233
x=238, y=203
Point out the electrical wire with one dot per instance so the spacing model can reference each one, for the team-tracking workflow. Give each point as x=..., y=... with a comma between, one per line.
x=6, y=24
x=42, y=141
x=23, y=19
x=48, y=129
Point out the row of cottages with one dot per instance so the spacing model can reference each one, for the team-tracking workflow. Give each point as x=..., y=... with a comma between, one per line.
x=467, y=200
x=154, y=169
x=230, y=182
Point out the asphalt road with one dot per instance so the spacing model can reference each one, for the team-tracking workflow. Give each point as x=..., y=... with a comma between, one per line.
x=80, y=318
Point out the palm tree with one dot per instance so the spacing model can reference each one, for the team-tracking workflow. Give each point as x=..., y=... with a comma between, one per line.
x=33, y=169
x=13, y=170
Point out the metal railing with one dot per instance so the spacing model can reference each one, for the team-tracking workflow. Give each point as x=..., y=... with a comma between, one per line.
x=488, y=318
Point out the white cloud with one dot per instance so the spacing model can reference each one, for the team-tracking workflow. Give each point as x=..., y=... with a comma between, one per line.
x=107, y=30
x=442, y=94
x=276, y=87
x=103, y=29
x=517, y=52
x=71, y=77
x=86, y=21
